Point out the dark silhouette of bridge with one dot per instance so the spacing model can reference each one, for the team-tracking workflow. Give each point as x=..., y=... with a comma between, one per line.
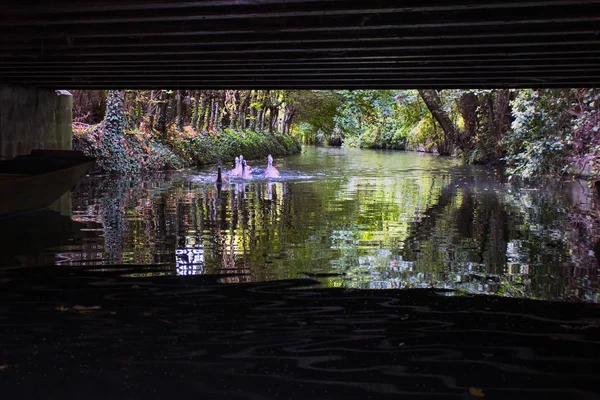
x=82, y=44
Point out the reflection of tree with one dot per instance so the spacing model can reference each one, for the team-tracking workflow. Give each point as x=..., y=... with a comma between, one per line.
x=463, y=232
x=562, y=230
x=423, y=226
x=106, y=200
x=514, y=241
x=489, y=230
x=449, y=229
x=25, y=238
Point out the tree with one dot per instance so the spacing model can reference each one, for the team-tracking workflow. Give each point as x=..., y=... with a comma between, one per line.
x=113, y=128
x=313, y=110
x=434, y=104
x=179, y=103
x=540, y=132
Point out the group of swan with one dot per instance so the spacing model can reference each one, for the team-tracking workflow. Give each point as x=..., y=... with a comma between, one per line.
x=243, y=171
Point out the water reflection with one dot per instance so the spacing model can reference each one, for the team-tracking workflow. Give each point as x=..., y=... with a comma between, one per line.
x=355, y=218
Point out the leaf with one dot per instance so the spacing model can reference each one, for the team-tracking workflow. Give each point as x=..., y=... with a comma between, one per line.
x=86, y=310
x=476, y=392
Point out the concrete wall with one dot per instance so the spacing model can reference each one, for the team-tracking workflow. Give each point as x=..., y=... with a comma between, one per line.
x=33, y=118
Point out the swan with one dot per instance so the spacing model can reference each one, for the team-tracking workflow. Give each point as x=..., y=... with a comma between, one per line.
x=271, y=171
x=246, y=171
x=221, y=177
x=237, y=171
x=245, y=164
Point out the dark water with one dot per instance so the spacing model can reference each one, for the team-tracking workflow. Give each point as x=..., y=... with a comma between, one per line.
x=352, y=218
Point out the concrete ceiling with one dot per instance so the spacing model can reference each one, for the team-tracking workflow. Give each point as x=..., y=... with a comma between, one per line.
x=300, y=44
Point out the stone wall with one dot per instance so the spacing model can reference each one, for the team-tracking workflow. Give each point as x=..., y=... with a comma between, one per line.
x=32, y=118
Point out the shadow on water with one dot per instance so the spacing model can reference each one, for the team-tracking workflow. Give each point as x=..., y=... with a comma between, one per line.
x=29, y=239
x=349, y=218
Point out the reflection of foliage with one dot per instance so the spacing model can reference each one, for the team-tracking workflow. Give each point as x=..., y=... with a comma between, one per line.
x=449, y=229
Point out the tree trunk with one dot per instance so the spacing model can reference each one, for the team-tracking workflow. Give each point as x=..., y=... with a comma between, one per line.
x=273, y=115
x=245, y=103
x=232, y=121
x=259, y=119
x=114, y=119
x=290, y=122
x=139, y=113
x=284, y=120
x=203, y=110
x=434, y=104
x=162, y=108
x=287, y=120
x=467, y=105
x=179, y=102
x=253, y=114
x=232, y=107
x=502, y=117
x=151, y=110
x=211, y=116
x=113, y=128
x=195, y=101
x=217, y=114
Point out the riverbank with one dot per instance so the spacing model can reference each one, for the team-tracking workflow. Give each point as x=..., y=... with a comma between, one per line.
x=143, y=152
x=109, y=335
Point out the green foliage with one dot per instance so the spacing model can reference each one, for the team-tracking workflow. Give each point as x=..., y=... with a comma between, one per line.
x=586, y=132
x=316, y=111
x=424, y=134
x=113, y=156
x=127, y=141
x=306, y=133
x=229, y=144
x=540, y=134
x=379, y=119
x=138, y=153
x=142, y=152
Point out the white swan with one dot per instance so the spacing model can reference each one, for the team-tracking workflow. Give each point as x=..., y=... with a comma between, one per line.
x=245, y=164
x=246, y=171
x=237, y=171
x=271, y=171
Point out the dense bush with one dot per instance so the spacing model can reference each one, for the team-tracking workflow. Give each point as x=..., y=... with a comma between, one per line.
x=540, y=133
x=315, y=113
x=139, y=152
x=586, y=132
x=374, y=119
x=534, y=132
x=146, y=152
x=225, y=146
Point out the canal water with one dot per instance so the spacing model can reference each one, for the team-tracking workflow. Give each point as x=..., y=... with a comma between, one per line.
x=345, y=217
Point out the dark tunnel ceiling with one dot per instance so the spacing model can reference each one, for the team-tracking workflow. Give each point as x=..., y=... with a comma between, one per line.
x=302, y=44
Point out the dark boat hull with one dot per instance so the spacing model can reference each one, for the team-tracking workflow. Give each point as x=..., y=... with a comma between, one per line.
x=27, y=185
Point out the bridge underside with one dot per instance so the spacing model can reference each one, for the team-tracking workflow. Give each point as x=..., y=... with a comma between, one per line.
x=82, y=44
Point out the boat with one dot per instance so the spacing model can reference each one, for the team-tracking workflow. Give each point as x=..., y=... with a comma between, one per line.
x=35, y=181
